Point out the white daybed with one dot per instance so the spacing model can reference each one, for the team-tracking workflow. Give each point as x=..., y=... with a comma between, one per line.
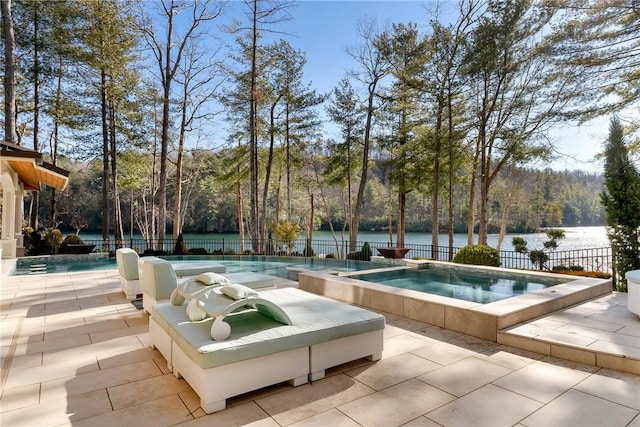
x=260, y=350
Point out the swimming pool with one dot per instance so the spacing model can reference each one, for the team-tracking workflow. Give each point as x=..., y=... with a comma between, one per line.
x=475, y=286
x=285, y=267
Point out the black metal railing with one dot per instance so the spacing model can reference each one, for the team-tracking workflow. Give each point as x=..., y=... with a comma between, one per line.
x=596, y=259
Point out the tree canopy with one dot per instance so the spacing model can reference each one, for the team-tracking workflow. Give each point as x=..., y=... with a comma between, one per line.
x=455, y=110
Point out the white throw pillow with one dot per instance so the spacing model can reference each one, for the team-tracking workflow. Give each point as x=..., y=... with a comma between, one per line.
x=212, y=279
x=236, y=291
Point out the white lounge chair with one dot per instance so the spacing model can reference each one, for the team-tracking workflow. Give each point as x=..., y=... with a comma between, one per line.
x=158, y=280
x=127, y=260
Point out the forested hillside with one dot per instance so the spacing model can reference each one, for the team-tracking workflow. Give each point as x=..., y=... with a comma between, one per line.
x=533, y=198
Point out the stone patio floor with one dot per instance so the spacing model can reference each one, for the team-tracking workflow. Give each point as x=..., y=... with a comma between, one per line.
x=75, y=352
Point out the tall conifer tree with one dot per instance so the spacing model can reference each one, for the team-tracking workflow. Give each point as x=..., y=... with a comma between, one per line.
x=621, y=199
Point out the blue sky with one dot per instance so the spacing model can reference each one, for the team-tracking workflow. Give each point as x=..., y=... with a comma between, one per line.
x=324, y=29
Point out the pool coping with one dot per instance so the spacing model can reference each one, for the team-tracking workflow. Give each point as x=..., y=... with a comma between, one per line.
x=480, y=320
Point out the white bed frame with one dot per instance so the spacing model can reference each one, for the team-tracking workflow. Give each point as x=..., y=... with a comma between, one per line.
x=297, y=366
x=216, y=385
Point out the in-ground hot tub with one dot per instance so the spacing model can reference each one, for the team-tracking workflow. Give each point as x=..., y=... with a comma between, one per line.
x=471, y=318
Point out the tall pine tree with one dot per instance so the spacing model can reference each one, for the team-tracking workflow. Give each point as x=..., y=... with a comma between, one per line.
x=621, y=200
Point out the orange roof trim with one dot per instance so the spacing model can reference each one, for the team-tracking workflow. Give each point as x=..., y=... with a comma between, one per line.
x=31, y=169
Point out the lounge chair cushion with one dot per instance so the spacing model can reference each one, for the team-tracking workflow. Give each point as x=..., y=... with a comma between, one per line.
x=127, y=261
x=157, y=277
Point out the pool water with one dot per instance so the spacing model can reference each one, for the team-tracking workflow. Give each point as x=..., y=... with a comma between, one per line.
x=475, y=286
x=275, y=266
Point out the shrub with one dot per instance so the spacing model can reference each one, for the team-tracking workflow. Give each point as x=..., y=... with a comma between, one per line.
x=332, y=256
x=53, y=239
x=366, y=252
x=287, y=233
x=478, y=255
x=353, y=255
x=72, y=239
x=153, y=252
x=180, y=247
x=198, y=251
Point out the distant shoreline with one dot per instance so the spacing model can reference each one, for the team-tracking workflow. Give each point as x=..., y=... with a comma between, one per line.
x=576, y=238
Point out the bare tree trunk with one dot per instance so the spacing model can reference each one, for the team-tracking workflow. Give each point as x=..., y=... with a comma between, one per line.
x=269, y=166
x=471, y=217
x=451, y=228
x=254, y=217
x=288, y=153
x=177, y=198
x=164, y=142
x=152, y=230
x=503, y=226
x=311, y=219
x=35, y=200
x=105, y=161
x=390, y=209
x=357, y=213
x=435, y=229
x=9, y=73
x=117, y=209
x=240, y=208
x=402, y=208
x=435, y=200
x=54, y=146
x=240, y=218
x=484, y=196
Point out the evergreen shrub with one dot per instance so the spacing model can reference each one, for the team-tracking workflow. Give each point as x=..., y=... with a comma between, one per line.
x=478, y=255
x=366, y=252
x=180, y=247
x=198, y=251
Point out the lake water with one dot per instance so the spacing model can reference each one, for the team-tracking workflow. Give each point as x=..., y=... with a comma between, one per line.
x=575, y=238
